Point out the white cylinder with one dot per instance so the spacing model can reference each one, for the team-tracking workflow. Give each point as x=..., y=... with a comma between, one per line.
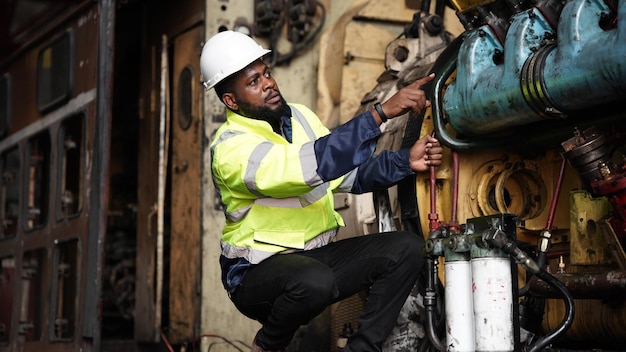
x=493, y=304
x=459, y=307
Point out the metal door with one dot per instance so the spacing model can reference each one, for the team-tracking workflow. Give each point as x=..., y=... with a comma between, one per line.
x=186, y=124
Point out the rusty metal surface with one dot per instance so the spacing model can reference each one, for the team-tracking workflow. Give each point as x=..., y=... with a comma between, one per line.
x=608, y=285
x=588, y=245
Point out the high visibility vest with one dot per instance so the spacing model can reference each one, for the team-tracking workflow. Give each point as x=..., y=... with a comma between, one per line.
x=274, y=199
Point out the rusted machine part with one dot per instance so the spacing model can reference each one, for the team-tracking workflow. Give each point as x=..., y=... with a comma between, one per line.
x=613, y=186
x=586, y=151
x=590, y=153
x=508, y=187
x=607, y=286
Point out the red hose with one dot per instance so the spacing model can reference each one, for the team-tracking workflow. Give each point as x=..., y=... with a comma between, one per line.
x=454, y=222
x=555, y=196
x=433, y=217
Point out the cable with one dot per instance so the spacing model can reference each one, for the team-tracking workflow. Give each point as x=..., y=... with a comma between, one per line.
x=166, y=342
x=215, y=343
x=193, y=345
x=569, y=312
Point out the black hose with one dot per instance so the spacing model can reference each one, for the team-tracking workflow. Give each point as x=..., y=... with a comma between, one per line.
x=430, y=302
x=569, y=312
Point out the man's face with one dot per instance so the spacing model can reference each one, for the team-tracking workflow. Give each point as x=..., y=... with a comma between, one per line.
x=256, y=95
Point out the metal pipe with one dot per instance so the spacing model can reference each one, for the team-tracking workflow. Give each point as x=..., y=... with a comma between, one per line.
x=454, y=222
x=439, y=121
x=601, y=285
x=555, y=196
x=543, y=244
x=537, y=82
x=432, y=216
x=549, y=132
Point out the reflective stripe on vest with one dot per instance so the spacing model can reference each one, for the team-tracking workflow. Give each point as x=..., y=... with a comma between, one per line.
x=292, y=202
x=305, y=124
x=309, y=170
x=255, y=256
x=256, y=156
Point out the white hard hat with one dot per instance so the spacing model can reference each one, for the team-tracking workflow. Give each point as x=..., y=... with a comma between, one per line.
x=226, y=53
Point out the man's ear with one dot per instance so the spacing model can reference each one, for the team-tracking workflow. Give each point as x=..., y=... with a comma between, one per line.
x=230, y=101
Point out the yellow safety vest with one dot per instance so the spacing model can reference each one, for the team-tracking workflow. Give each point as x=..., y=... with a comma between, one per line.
x=274, y=199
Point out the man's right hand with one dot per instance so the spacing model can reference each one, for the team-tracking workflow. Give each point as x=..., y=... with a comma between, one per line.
x=409, y=98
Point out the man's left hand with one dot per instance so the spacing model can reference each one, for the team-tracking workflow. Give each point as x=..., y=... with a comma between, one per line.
x=424, y=153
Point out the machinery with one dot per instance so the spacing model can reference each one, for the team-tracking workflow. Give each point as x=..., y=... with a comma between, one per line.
x=527, y=98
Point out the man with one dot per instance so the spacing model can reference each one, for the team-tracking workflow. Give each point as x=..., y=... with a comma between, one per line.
x=275, y=167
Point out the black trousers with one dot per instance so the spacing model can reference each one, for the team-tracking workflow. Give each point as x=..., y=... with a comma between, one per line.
x=286, y=291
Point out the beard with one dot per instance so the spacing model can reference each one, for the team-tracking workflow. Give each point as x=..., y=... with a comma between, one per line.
x=272, y=116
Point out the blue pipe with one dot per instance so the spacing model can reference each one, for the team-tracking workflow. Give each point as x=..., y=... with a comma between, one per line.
x=540, y=78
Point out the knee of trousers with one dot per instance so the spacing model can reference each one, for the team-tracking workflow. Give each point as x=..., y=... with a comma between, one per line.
x=411, y=246
x=315, y=287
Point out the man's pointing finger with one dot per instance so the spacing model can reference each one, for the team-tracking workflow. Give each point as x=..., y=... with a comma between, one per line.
x=422, y=81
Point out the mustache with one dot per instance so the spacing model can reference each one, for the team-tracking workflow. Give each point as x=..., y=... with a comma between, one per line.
x=272, y=94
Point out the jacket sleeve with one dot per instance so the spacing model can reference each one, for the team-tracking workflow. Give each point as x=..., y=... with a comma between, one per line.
x=348, y=151
x=346, y=147
x=382, y=171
